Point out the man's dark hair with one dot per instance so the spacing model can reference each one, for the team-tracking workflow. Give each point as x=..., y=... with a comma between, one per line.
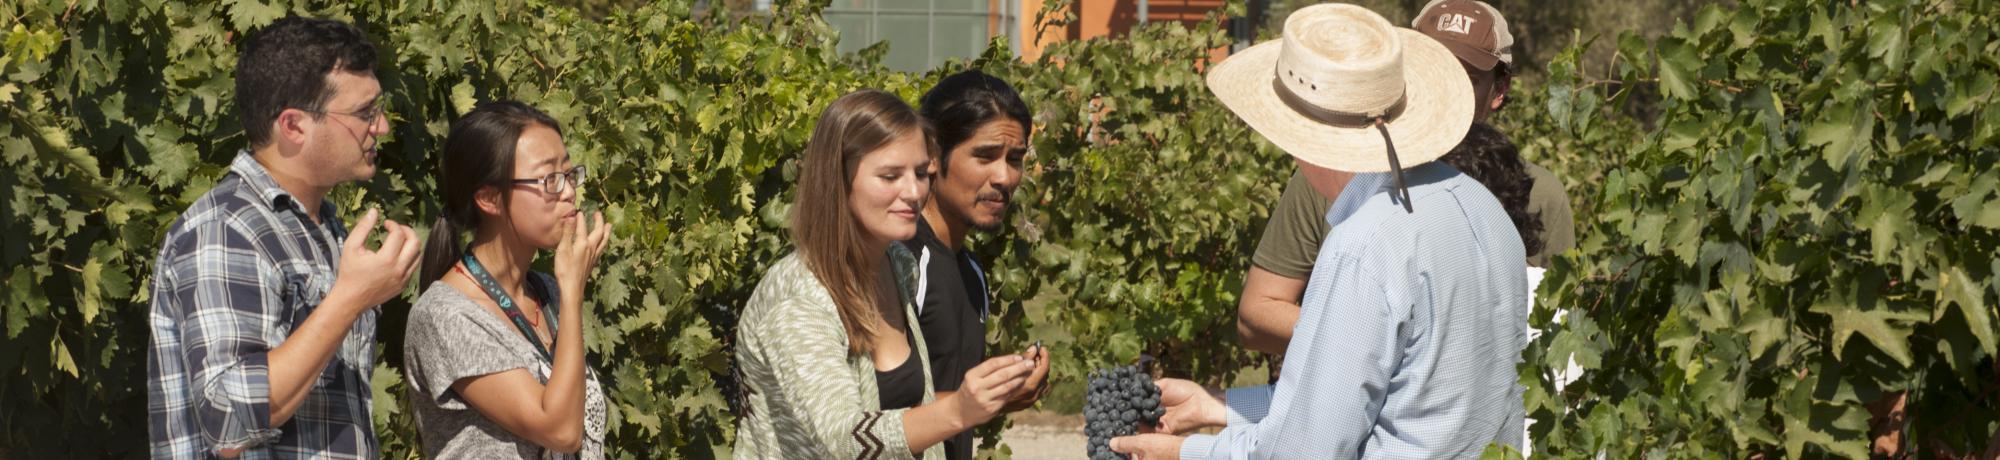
x=285, y=66
x=1488, y=157
x=964, y=101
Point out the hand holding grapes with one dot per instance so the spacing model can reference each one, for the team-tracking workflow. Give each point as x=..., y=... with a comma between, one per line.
x=1183, y=406
x=988, y=386
x=1189, y=407
x=1037, y=384
x=1151, y=446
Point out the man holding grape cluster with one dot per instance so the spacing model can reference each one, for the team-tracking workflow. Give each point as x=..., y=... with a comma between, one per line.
x=1412, y=322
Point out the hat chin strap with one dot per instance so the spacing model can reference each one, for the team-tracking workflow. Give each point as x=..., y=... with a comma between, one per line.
x=1351, y=119
x=1381, y=124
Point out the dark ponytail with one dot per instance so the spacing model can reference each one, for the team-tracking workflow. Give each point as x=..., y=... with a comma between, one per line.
x=441, y=250
x=478, y=153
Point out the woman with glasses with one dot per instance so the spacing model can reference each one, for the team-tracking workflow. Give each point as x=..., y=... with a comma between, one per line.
x=494, y=351
x=832, y=359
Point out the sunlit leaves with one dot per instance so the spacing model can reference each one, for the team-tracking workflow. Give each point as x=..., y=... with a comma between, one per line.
x=1802, y=216
x=1845, y=147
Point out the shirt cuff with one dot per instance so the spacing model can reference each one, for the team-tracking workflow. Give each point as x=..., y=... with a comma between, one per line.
x=237, y=414
x=1197, y=447
x=1248, y=404
x=883, y=432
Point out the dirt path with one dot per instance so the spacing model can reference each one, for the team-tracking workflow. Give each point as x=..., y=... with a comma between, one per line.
x=1042, y=435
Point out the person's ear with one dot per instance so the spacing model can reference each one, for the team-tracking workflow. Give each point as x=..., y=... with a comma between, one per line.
x=292, y=126
x=489, y=201
x=1502, y=83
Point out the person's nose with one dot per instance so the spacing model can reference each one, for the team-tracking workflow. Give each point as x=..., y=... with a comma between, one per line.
x=569, y=186
x=1007, y=177
x=381, y=125
x=913, y=189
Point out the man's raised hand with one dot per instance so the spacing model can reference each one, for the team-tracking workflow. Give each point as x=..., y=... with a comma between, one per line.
x=372, y=276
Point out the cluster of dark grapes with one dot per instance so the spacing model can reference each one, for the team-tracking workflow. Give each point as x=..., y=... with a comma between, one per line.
x=1120, y=398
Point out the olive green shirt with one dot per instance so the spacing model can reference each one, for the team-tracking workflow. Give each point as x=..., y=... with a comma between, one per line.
x=1549, y=201
x=1298, y=224
x=1292, y=235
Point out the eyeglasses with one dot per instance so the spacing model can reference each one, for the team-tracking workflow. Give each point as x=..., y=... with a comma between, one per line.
x=367, y=117
x=556, y=182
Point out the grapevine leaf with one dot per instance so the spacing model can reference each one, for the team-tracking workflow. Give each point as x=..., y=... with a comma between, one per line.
x=249, y=14
x=1677, y=68
x=462, y=98
x=59, y=354
x=1855, y=311
x=1956, y=288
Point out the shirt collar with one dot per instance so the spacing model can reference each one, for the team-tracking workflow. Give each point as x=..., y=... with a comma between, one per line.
x=925, y=234
x=259, y=179
x=928, y=236
x=1423, y=180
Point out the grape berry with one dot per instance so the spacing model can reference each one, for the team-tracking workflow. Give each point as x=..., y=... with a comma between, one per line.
x=1119, y=399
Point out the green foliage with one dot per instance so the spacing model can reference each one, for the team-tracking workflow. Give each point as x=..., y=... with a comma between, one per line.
x=1808, y=229
x=121, y=113
x=1807, y=226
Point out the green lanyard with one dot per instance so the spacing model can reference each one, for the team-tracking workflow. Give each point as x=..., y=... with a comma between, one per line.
x=499, y=296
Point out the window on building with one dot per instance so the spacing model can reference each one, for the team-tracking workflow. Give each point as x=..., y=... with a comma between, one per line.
x=922, y=34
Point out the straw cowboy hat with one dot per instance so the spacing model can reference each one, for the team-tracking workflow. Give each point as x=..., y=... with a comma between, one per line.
x=1345, y=90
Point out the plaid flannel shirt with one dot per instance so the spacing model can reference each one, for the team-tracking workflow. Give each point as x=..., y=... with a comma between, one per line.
x=237, y=272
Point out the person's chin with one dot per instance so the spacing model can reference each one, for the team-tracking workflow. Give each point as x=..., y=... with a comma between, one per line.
x=900, y=230
x=990, y=222
x=988, y=227
x=548, y=241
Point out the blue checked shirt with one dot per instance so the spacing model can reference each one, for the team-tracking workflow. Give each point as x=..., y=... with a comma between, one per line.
x=237, y=272
x=1408, y=336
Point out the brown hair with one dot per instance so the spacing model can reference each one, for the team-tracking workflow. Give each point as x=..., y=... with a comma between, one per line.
x=830, y=240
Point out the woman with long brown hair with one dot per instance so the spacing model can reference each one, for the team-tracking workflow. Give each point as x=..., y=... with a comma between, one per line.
x=833, y=363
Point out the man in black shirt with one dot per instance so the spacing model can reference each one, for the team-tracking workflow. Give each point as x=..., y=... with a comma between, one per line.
x=982, y=127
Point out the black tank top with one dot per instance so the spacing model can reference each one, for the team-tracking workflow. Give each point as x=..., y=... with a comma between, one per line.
x=903, y=386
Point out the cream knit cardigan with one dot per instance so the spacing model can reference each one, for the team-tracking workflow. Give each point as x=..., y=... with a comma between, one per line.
x=804, y=396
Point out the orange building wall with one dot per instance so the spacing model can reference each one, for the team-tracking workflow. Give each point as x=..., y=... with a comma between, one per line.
x=1098, y=18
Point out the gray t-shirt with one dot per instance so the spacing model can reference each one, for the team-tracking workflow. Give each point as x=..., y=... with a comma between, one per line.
x=450, y=337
